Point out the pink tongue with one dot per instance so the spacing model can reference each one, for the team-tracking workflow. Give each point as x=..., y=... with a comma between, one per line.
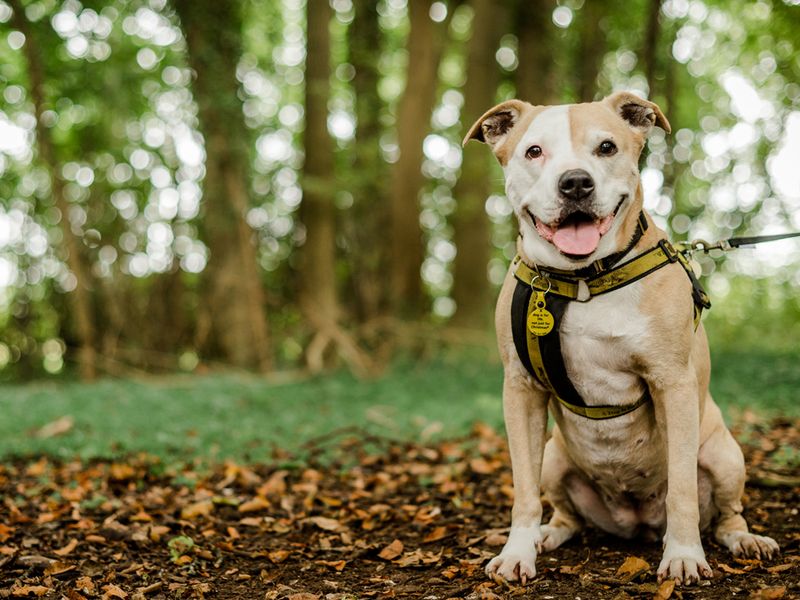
x=577, y=238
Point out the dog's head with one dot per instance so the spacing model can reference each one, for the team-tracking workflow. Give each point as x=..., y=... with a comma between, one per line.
x=571, y=172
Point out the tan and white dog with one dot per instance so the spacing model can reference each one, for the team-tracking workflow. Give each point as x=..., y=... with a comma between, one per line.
x=669, y=468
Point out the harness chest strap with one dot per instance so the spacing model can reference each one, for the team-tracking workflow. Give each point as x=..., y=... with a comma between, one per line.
x=541, y=354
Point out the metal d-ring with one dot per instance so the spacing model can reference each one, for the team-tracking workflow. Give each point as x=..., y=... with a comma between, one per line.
x=547, y=279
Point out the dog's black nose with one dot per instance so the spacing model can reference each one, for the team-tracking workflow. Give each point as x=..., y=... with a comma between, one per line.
x=576, y=185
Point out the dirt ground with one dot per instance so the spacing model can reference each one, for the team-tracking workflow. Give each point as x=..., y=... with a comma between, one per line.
x=361, y=518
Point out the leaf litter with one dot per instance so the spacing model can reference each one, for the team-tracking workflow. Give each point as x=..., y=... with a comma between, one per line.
x=361, y=518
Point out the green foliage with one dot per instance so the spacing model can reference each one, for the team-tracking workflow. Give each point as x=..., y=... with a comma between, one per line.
x=123, y=120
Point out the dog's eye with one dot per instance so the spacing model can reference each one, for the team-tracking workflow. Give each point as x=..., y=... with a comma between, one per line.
x=607, y=148
x=533, y=152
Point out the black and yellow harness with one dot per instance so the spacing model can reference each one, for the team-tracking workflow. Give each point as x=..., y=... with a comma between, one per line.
x=541, y=298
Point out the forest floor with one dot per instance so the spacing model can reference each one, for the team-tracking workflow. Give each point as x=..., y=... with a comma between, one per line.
x=359, y=517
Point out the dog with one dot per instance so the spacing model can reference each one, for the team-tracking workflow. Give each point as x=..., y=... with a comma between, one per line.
x=664, y=466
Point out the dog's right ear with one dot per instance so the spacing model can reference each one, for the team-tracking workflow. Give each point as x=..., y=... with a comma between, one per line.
x=495, y=124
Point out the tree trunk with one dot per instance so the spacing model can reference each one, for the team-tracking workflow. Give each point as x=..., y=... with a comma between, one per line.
x=591, y=49
x=79, y=299
x=369, y=217
x=650, y=45
x=318, y=298
x=535, y=77
x=425, y=46
x=233, y=289
x=471, y=228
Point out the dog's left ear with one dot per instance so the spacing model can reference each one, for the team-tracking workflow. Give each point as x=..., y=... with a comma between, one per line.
x=639, y=113
x=495, y=123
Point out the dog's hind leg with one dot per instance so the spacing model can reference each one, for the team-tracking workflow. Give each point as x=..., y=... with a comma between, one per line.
x=565, y=521
x=722, y=458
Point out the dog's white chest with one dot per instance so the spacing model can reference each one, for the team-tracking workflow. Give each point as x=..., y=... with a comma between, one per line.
x=599, y=340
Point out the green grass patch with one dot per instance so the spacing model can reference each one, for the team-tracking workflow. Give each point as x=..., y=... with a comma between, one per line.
x=247, y=418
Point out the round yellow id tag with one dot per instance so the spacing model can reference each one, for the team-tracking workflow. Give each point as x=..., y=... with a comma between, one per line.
x=540, y=322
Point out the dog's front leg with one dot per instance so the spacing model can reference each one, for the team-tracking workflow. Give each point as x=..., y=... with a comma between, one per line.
x=525, y=415
x=677, y=405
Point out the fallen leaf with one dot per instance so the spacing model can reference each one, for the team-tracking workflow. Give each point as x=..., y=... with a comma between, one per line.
x=121, y=472
x=336, y=565
x=729, y=569
x=256, y=504
x=27, y=590
x=113, y=591
x=278, y=556
x=665, y=590
x=770, y=593
x=199, y=509
x=632, y=568
x=392, y=551
x=780, y=568
x=66, y=549
x=326, y=523
x=85, y=584
x=570, y=569
x=496, y=539
x=303, y=596
x=5, y=532
x=436, y=534
x=55, y=428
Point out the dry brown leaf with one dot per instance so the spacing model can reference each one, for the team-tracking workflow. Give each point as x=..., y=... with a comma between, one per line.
x=336, y=565
x=256, y=504
x=482, y=466
x=278, y=556
x=770, y=593
x=632, y=568
x=121, y=471
x=496, y=539
x=26, y=590
x=326, y=523
x=665, y=590
x=85, y=584
x=203, y=508
x=66, y=549
x=780, y=568
x=55, y=428
x=5, y=532
x=436, y=534
x=303, y=596
x=392, y=551
x=410, y=559
x=112, y=591
x=58, y=567
x=570, y=569
x=731, y=570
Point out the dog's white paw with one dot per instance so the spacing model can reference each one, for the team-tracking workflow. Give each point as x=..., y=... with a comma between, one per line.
x=553, y=537
x=517, y=561
x=750, y=545
x=513, y=567
x=684, y=563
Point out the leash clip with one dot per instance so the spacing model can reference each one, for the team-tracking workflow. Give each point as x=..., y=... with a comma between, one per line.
x=706, y=247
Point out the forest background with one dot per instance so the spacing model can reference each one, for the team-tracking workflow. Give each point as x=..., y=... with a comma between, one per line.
x=272, y=185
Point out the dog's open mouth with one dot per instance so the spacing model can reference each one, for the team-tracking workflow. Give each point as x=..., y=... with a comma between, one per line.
x=578, y=234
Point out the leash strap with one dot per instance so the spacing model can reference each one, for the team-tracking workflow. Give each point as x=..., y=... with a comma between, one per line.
x=734, y=242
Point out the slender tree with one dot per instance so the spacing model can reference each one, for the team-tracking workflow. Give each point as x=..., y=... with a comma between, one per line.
x=650, y=44
x=535, y=77
x=591, y=48
x=80, y=302
x=233, y=291
x=369, y=217
x=425, y=45
x=471, y=230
